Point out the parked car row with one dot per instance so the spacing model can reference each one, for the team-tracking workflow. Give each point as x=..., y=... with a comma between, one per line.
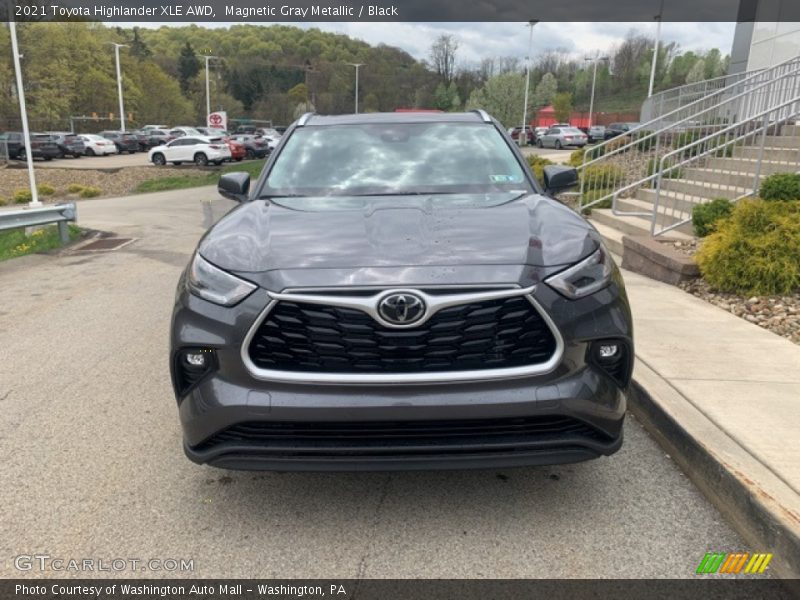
x=201, y=145
x=571, y=135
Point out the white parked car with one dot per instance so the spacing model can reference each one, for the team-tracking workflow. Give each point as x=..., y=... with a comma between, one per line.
x=97, y=145
x=181, y=131
x=199, y=149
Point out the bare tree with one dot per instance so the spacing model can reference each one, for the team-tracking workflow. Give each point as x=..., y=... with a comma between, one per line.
x=443, y=56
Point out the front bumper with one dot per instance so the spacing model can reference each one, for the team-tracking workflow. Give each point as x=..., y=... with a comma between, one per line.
x=481, y=425
x=232, y=419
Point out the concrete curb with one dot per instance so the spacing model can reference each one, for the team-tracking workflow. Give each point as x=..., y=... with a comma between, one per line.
x=760, y=506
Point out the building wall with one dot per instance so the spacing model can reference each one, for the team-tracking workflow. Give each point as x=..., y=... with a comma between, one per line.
x=761, y=39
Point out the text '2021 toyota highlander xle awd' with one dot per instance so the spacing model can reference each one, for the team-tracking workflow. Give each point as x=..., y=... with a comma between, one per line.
x=397, y=291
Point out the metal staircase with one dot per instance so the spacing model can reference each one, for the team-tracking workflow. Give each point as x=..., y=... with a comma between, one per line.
x=720, y=144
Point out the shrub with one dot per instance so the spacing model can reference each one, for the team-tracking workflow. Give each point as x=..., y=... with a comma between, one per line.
x=781, y=186
x=576, y=158
x=592, y=195
x=45, y=189
x=618, y=142
x=596, y=152
x=89, y=192
x=705, y=217
x=645, y=143
x=756, y=250
x=602, y=176
x=22, y=196
x=3, y=201
x=75, y=188
x=538, y=163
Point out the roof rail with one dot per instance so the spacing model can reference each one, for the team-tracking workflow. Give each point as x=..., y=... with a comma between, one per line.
x=482, y=114
x=304, y=119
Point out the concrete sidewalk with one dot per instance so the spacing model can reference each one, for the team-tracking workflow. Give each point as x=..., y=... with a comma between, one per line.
x=723, y=396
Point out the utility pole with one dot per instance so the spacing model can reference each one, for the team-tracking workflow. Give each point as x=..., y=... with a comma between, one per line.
x=523, y=135
x=594, y=81
x=655, y=49
x=12, y=26
x=208, y=86
x=357, y=66
x=119, y=85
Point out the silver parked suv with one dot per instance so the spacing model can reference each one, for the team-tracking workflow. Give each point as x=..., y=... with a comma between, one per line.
x=397, y=291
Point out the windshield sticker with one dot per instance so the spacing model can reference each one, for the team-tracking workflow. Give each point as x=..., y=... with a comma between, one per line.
x=505, y=178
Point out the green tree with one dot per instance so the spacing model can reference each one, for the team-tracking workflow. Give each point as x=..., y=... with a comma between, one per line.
x=562, y=106
x=502, y=96
x=545, y=91
x=188, y=66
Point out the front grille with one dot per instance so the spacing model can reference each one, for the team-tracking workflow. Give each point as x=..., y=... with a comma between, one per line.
x=489, y=334
x=376, y=435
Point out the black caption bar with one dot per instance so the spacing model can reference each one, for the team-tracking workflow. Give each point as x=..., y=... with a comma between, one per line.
x=394, y=589
x=251, y=11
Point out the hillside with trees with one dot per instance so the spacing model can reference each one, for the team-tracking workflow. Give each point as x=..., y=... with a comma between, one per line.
x=278, y=71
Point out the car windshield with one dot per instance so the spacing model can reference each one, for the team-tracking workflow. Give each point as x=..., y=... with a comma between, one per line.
x=395, y=159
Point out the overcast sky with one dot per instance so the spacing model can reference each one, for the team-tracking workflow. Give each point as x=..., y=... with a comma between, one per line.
x=482, y=40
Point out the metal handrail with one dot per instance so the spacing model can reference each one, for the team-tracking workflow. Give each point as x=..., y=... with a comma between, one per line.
x=691, y=89
x=761, y=130
x=749, y=95
x=648, y=126
x=31, y=217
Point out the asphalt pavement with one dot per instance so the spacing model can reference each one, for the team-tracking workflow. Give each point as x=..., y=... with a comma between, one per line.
x=94, y=469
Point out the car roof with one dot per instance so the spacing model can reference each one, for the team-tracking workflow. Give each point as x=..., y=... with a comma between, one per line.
x=393, y=118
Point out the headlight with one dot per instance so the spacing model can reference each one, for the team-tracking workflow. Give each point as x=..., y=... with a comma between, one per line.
x=586, y=277
x=215, y=285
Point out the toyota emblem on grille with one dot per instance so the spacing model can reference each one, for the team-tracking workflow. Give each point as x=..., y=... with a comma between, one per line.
x=401, y=309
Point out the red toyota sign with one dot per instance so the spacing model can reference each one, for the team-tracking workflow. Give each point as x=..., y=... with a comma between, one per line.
x=218, y=120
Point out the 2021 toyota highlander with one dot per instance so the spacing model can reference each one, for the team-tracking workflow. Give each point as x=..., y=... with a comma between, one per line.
x=397, y=291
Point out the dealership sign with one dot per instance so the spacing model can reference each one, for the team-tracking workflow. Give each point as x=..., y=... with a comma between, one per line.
x=218, y=120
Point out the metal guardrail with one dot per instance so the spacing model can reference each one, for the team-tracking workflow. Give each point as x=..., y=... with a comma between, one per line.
x=60, y=214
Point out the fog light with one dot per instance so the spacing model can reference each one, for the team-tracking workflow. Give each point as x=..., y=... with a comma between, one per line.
x=608, y=350
x=195, y=359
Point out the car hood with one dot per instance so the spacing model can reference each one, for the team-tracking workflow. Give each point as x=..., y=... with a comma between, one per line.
x=262, y=236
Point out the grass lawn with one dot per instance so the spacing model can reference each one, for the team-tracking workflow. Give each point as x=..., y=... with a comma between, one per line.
x=180, y=182
x=15, y=243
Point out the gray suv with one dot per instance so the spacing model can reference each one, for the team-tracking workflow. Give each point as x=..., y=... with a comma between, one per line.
x=397, y=291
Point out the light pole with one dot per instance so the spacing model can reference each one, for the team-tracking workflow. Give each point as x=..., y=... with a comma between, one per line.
x=119, y=84
x=26, y=138
x=655, y=49
x=357, y=66
x=208, y=87
x=527, y=84
x=594, y=81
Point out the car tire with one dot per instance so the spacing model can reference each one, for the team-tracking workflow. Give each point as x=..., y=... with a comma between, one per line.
x=22, y=155
x=61, y=154
x=239, y=159
x=249, y=154
x=539, y=144
x=558, y=145
x=159, y=159
x=200, y=159
x=89, y=152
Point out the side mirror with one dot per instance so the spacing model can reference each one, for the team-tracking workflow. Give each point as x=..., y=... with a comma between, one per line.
x=235, y=186
x=558, y=178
